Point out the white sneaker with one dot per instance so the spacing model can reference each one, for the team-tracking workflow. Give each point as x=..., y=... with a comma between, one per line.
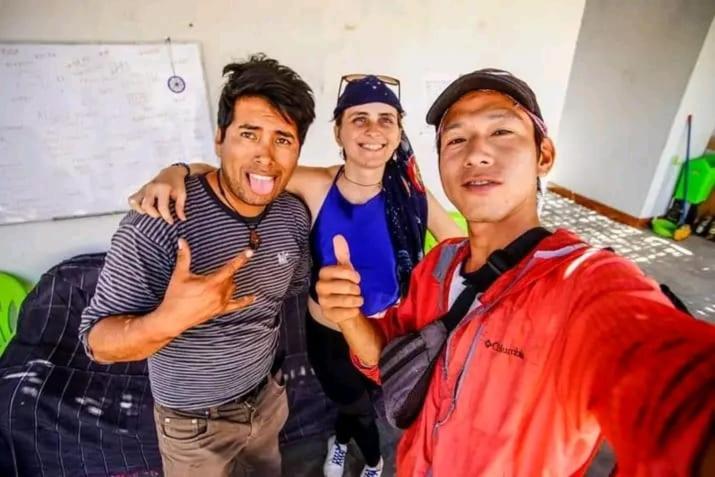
x=376, y=471
x=335, y=460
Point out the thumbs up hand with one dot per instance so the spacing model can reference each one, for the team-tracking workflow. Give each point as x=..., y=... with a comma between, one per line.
x=342, y=251
x=338, y=287
x=192, y=299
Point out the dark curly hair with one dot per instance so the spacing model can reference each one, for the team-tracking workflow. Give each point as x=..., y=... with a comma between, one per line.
x=266, y=78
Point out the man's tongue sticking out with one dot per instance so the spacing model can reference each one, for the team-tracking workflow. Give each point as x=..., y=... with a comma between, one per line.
x=262, y=185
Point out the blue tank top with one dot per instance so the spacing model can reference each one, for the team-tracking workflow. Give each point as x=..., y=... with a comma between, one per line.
x=364, y=226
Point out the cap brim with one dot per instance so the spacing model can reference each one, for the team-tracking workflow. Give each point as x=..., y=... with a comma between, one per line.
x=474, y=82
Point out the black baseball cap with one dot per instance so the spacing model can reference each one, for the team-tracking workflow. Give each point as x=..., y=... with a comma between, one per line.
x=484, y=79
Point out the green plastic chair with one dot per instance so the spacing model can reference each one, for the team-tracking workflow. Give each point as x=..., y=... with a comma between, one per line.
x=12, y=294
x=430, y=241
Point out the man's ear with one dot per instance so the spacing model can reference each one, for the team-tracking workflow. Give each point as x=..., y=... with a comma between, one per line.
x=217, y=142
x=547, y=157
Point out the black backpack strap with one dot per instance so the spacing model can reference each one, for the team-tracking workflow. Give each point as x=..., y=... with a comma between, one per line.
x=522, y=246
x=674, y=299
x=669, y=294
x=497, y=263
x=459, y=308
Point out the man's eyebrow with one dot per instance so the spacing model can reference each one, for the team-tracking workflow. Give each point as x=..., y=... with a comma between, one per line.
x=286, y=134
x=279, y=132
x=249, y=127
x=502, y=113
x=452, y=126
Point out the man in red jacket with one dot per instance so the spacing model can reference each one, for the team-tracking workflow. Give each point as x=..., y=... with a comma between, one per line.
x=570, y=345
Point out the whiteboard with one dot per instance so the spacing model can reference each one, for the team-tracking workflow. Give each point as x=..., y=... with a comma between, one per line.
x=83, y=125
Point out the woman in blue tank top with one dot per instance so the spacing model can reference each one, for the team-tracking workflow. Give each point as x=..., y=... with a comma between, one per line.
x=376, y=200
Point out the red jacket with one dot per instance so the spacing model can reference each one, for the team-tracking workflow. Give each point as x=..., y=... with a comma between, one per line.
x=571, y=345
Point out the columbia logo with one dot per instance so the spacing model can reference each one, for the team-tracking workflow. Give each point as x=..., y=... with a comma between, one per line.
x=500, y=348
x=283, y=258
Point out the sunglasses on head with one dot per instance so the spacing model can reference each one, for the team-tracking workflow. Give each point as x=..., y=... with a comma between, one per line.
x=388, y=80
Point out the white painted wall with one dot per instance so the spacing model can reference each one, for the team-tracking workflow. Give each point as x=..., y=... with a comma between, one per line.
x=410, y=39
x=632, y=64
x=698, y=100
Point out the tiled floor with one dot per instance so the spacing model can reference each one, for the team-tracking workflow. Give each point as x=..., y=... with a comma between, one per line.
x=305, y=459
x=687, y=267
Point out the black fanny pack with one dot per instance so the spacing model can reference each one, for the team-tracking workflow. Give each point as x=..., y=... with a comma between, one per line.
x=406, y=363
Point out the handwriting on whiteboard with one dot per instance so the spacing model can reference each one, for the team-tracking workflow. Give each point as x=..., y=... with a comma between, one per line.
x=82, y=125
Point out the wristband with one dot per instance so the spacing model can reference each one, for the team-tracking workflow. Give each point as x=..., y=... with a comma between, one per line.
x=184, y=165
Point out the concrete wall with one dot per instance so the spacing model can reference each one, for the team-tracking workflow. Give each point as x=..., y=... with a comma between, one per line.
x=413, y=40
x=632, y=64
x=698, y=100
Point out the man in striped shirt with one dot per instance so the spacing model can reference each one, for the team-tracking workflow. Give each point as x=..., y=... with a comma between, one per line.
x=200, y=297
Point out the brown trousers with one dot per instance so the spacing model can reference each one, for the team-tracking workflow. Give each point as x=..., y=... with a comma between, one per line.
x=232, y=440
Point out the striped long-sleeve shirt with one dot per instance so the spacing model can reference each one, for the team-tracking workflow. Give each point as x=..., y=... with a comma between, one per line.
x=226, y=356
